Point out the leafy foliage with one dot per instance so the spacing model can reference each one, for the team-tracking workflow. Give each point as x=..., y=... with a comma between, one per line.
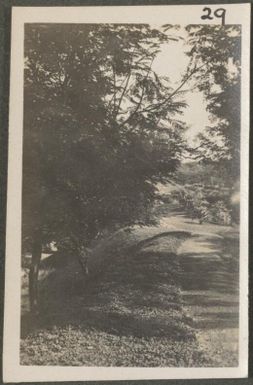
x=215, y=57
x=102, y=130
x=205, y=204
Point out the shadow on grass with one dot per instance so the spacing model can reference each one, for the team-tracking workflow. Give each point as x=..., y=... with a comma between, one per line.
x=219, y=320
x=138, y=291
x=136, y=294
x=211, y=281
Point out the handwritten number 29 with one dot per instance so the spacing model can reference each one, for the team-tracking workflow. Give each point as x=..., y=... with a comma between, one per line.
x=220, y=13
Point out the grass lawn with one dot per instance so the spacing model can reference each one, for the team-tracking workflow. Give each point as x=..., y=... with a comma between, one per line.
x=155, y=296
x=129, y=314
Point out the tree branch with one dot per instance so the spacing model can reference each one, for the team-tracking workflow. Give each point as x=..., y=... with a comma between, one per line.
x=113, y=99
x=157, y=105
x=123, y=93
x=141, y=97
x=126, y=85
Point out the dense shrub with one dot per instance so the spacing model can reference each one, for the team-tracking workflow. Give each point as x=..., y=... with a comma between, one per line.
x=206, y=205
x=219, y=213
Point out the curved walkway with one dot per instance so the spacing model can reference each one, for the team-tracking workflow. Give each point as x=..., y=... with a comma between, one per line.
x=210, y=282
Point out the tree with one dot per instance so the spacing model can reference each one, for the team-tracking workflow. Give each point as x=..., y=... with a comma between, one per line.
x=215, y=54
x=100, y=130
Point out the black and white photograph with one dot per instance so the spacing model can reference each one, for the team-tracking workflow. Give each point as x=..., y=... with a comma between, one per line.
x=127, y=193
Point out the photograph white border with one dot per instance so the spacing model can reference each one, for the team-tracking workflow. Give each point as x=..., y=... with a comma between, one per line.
x=169, y=14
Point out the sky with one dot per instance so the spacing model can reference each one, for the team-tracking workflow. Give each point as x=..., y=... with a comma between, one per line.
x=172, y=62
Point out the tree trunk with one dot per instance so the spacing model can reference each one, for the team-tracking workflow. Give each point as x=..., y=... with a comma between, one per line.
x=83, y=259
x=33, y=274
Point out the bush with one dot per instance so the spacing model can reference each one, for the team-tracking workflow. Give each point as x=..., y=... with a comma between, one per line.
x=198, y=206
x=220, y=214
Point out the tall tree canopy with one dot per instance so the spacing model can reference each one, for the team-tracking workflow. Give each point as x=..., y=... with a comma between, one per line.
x=215, y=57
x=100, y=130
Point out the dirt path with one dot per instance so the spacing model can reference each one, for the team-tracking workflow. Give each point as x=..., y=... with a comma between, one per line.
x=210, y=282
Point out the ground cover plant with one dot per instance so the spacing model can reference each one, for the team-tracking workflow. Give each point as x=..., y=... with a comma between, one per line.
x=131, y=314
